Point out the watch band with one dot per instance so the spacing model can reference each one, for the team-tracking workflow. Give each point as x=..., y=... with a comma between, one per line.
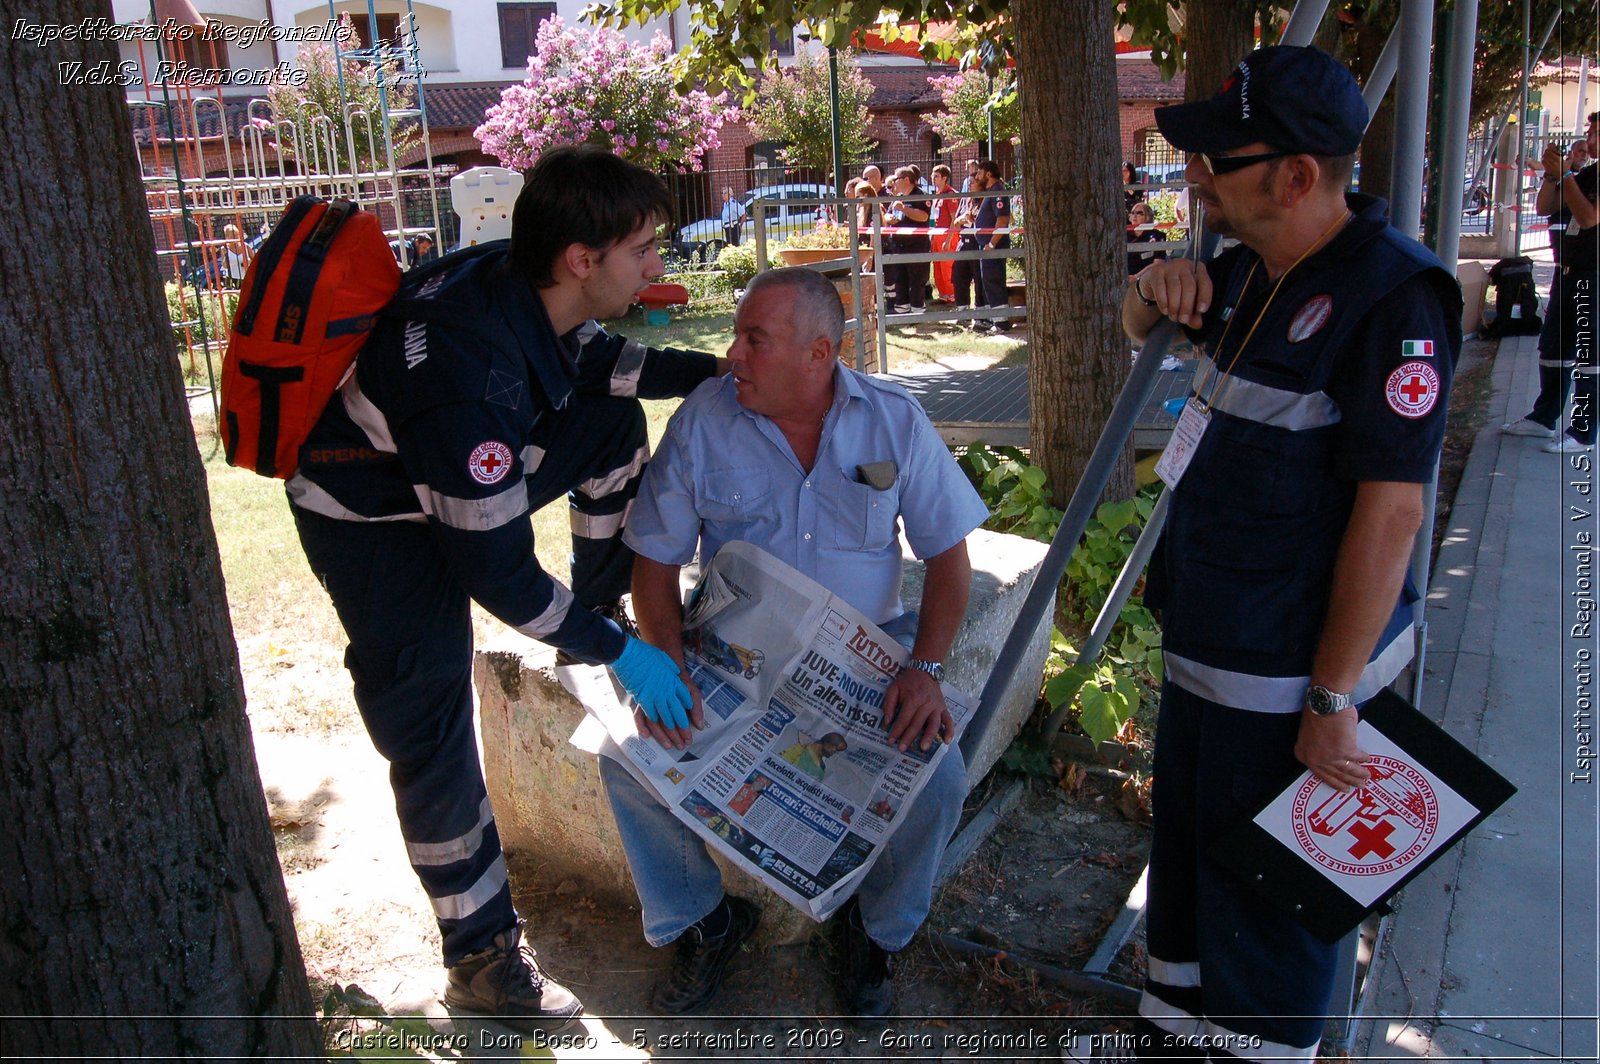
x=1139, y=291
x=932, y=668
x=1325, y=703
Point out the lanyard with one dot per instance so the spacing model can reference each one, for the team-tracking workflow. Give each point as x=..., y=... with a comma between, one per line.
x=1206, y=402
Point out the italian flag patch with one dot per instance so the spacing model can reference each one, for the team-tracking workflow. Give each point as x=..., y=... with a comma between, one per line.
x=1416, y=348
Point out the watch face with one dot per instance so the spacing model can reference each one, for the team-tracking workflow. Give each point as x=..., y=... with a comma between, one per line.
x=1324, y=702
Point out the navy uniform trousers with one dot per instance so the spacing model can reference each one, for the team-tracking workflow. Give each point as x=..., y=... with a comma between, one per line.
x=410, y=656
x=1238, y=977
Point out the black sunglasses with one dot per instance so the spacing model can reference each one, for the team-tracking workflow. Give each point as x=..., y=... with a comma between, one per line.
x=1227, y=164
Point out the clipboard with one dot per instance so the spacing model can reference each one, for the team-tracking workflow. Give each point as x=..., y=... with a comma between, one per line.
x=1330, y=858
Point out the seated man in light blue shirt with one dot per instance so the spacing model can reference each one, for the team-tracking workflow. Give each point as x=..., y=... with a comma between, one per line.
x=820, y=466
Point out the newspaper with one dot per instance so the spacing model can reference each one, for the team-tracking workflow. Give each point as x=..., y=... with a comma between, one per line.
x=793, y=778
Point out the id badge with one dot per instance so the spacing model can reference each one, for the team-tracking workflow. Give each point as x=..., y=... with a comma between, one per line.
x=1573, y=229
x=1181, y=447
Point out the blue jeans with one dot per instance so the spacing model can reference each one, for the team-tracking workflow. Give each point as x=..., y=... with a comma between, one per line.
x=678, y=883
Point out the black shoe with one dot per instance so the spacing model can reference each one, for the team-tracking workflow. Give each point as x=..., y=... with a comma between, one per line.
x=868, y=988
x=504, y=981
x=702, y=960
x=613, y=611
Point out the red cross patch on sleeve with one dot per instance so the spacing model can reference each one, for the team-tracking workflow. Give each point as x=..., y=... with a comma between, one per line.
x=1412, y=389
x=489, y=462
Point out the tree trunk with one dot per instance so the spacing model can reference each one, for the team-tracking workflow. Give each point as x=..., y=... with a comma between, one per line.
x=1216, y=35
x=1075, y=252
x=139, y=879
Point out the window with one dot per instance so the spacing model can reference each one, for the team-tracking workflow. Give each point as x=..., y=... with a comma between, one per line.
x=519, y=28
x=388, y=34
x=206, y=50
x=780, y=44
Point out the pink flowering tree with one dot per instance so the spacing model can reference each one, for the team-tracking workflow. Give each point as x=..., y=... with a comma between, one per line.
x=967, y=100
x=597, y=87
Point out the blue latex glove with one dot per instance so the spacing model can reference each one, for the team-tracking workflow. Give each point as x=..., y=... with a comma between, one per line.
x=651, y=677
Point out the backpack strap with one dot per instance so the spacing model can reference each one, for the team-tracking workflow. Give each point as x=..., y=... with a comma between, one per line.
x=295, y=310
x=268, y=257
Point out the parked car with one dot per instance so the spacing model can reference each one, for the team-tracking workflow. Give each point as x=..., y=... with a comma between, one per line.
x=704, y=239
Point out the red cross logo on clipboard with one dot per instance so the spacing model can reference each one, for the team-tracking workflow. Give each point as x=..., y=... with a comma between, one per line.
x=1374, y=830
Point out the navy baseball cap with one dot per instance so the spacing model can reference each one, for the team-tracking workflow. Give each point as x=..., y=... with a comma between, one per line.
x=1291, y=98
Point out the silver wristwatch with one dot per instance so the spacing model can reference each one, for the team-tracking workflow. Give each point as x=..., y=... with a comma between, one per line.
x=1325, y=703
x=932, y=668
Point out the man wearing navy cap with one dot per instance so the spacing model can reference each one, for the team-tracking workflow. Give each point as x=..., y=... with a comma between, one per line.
x=1296, y=477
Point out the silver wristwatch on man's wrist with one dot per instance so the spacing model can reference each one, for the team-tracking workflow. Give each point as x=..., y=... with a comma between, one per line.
x=1325, y=703
x=932, y=668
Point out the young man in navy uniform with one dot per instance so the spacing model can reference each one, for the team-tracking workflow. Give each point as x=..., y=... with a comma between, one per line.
x=1313, y=431
x=413, y=497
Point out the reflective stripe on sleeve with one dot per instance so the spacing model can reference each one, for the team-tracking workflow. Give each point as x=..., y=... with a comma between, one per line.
x=310, y=496
x=630, y=364
x=476, y=515
x=552, y=617
x=617, y=479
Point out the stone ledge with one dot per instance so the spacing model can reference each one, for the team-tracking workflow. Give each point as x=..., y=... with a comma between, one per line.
x=549, y=805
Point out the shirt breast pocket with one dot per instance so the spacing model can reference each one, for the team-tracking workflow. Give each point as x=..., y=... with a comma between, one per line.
x=862, y=517
x=736, y=500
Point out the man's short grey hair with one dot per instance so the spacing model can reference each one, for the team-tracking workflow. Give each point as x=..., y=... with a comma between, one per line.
x=818, y=311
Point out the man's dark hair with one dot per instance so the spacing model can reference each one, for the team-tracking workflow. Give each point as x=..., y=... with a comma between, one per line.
x=941, y=171
x=580, y=195
x=990, y=167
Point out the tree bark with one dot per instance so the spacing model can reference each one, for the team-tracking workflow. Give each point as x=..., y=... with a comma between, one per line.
x=1216, y=34
x=142, y=906
x=1075, y=252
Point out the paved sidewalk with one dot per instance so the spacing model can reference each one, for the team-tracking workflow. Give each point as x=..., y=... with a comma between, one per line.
x=1492, y=952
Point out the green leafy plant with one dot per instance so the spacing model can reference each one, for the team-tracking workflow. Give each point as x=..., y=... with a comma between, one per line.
x=702, y=285
x=351, y=1020
x=823, y=236
x=1017, y=492
x=795, y=109
x=1105, y=693
x=738, y=265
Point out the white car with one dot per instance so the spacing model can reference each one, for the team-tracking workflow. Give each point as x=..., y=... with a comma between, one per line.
x=783, y=216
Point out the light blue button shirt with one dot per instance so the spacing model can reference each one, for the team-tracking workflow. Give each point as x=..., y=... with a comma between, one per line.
x=724, y=473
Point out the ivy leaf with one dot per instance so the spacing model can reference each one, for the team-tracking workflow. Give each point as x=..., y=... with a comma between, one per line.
x=1066, y=686
x=1098, y=716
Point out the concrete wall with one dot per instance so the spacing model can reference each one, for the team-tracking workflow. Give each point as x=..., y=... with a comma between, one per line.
x=549, y=806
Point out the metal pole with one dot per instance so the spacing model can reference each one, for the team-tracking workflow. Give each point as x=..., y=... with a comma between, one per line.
x=1107, y=450
x=833, y=114
x=1453, y=139
x=1522, y=118
x=1382, y=71
x=1411, y=119
x=1303, y=22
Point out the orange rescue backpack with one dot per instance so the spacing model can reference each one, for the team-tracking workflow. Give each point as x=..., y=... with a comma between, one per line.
x=309, y=300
